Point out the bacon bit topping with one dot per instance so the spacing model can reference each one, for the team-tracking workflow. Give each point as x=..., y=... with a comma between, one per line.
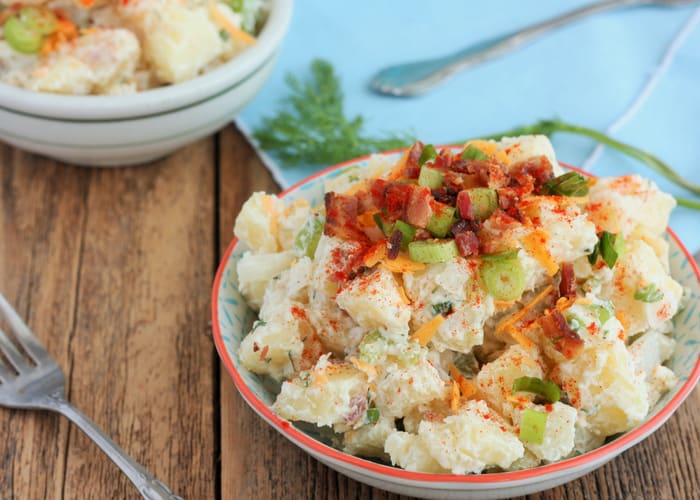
x=419, y=209
x=341, y=217
x=467, y=244
x=393, y=246
x=464, y=205
x=557, y=330
x=567, y=284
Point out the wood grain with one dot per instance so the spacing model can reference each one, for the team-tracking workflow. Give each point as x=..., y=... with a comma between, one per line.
x=112, y=268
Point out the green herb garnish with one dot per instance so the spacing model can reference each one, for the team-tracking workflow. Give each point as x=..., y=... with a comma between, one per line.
x=372, y=415
x=548, y=390
x=312, y=128
x=610, y=246
x=649, y=294
x=429, y=154
x=568, y=184
x=444, y=308
x=474, y=153
x=532, y=426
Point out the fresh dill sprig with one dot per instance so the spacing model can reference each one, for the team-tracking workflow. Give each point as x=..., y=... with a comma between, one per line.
x=312, y=128
x=549, y=127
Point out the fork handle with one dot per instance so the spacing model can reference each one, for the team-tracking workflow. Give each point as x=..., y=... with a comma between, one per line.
x=149, y=487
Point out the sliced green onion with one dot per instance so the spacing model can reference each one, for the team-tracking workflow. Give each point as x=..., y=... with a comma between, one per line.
x=430, y=177
x=432, y=251
x=371, y=347
x=408, y=233
x=497, y=257
x=21, y=38
x=474, y=153
x=532, y=426
x=484, y=202
x=568, y=184
x=385, y=226
x=41, y=21
x=603, y=312
x=428, y=154
x=441, y=221
x=548, y=389
x=442, y=308
x=649, y=294
x=610, y=246
x=236, y=5
x=309, y=236
x=503, y=279
x=372, y=415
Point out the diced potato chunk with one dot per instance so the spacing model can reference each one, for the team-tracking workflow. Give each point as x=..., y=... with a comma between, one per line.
x=256, y=224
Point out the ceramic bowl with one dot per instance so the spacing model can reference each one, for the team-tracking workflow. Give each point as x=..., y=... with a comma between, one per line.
x=232, y=319
x=122, y=130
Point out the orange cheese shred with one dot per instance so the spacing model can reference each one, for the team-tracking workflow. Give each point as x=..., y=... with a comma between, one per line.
x=454, y=400
x=375, y=254
x=522, y=312
x=366, y=219
x=366, y=368
x=535, y=243
x=466, y=387
x=235, y=32
x=428, y=330
x=402, y=264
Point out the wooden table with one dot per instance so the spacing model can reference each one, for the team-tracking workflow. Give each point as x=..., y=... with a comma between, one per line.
x=112, y=269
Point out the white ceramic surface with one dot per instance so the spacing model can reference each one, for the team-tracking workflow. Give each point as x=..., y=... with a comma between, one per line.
x=122, y=130
x=232, y=320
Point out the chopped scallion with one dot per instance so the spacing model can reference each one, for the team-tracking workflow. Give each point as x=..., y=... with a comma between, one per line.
x=649, y=294
x=505, y=255
x=504, y=279
x=428, y=154
x=372, y=415
x=532, y=426
x=568, y=184
x=430, y=177
x=610, y=246
x=20, y=37
x=441, y=221
x=308, y=237
x=474, y=153
x=432, y=251
x=39, y=20
x=484, y=202
x=408, y=232
x=548, y=390
x=442, y=308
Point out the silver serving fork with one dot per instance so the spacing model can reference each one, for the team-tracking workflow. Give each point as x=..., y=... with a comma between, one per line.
x=41, y=385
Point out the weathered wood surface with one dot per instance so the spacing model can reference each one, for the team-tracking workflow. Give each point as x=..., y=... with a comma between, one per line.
x=112, y=269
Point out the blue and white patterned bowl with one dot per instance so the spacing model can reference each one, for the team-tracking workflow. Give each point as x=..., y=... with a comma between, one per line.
x=232, y=319
x=100, y=130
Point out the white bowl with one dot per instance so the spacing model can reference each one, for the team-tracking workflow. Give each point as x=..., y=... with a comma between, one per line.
x=121, y=130
x=232, y=320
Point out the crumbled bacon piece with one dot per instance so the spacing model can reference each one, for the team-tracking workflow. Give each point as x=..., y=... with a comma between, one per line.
x=373, y=198
x=467, y=243
x=556, y=329
x=539, y=168
x=444, y=195
x=412, y=169
x=457, y=181
x=567, y=284
x=462, y=226
x=341, y=217
x=419, y=210
x=393, y=245
x=464, y=205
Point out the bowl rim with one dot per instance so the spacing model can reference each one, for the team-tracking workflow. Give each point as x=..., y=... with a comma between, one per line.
x=161, y=99
x=586, y=461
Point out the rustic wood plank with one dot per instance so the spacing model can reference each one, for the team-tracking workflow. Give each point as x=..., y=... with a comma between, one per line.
x=256, y=462
x=41, y=228
x=116, y=281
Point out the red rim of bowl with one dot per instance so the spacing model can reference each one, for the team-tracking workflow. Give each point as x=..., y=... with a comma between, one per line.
x=590, y=459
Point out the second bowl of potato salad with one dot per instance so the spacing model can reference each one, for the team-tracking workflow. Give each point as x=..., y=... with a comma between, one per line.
x=102, y=82
x=472, y=320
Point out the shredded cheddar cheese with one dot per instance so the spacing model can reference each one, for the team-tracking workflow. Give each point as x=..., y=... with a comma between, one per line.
x=366, y=368
x=522, y=312
x=428, y=330
x=235, y=32
x=454, y=400
x=535, y=244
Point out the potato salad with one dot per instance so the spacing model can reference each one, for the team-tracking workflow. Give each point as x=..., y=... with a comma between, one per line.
x=463, y=311
x=120, y=46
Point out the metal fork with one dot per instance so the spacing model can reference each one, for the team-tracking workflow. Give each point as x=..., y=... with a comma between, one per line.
x=41, y=385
